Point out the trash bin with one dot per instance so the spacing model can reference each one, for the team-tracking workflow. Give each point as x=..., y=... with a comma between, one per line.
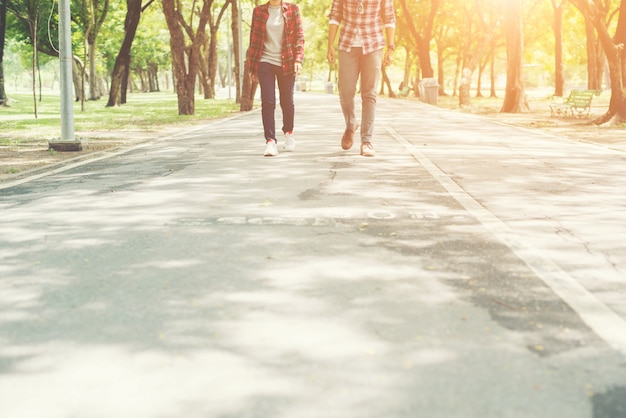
x=330, y=87
x=429, y=90
x=301, y=83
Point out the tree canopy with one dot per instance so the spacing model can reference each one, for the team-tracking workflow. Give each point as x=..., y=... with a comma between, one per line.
x=464, y=45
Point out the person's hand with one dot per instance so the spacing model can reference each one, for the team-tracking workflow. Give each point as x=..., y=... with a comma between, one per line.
x=388, y=59
x=253, y=77
x=330, y=56
x=297, y=70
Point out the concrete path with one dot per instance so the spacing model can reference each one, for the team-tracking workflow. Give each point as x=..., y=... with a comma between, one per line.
x=471, y=269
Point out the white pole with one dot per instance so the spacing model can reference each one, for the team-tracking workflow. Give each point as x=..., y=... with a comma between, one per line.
x=65, y=56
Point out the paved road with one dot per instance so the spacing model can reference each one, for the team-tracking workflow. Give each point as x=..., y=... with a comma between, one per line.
x=471, y=269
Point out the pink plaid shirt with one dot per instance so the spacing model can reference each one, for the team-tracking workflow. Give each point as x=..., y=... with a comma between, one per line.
x=377, y=14
x=293, y=36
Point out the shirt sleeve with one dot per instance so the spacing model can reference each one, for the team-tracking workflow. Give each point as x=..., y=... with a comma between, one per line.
x=335, y=13
x=389, y=15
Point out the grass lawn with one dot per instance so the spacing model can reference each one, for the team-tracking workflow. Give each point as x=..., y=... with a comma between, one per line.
x=143, y=112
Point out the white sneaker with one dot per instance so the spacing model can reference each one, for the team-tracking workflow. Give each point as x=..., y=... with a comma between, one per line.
x=367, y=149
x=270, y=148
x=290, y=143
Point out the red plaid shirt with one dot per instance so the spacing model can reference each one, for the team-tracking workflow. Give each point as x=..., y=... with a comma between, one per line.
x=293, y=36
x=376, y=15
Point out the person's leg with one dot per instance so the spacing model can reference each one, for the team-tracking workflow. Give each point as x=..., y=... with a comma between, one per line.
x=370, y=71
x=286, y=83
x=349, y=68
x=267, y=84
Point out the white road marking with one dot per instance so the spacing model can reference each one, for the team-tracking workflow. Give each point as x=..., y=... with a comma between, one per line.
x=605, y=322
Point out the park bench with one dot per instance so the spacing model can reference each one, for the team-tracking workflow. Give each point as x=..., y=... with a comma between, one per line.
x=404, y=91
x=577, y=104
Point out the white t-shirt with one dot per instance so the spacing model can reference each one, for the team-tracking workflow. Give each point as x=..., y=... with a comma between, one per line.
x=272, y=51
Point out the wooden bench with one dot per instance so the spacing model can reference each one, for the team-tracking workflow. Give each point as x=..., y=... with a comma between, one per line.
x=577, y=104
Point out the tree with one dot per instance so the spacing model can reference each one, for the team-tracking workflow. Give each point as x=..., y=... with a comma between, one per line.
x=89, y=15
x=235, y=14
x=595, y=54
x=613, y=47
x=249, y=86
x=208, y=60
x=27, y=13
x=185, y=57
x=559, y=79
x=477, y=37
x=422, y=40
x=151, y=51
x=3, y=31
x=514, y=96
x=448, y=37
x=119, y=76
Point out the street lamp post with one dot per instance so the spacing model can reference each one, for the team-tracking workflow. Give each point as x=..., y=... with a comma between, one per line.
x=67, y=142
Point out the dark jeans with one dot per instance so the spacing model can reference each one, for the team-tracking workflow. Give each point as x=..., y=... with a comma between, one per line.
x=268, y=74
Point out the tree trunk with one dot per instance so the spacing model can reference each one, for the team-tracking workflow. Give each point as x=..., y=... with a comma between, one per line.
x=212, y=64
x=3, y=27
x=387, y=82
x=94, y=90
x=559, y=79
x=422, y=41
x=479, y=80
x=592, y=56
x=614, y=52
x=77, y=71
x=464, y=88
x=514, y=95
x=236, y=48
x=119, y=77
x=185, y=60
x=440, y=72
x=203, y=68
x=34, y=66
x=492, y=76
x=248, y=90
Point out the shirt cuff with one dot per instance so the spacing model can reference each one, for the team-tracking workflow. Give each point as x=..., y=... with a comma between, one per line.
x=333, y=22
x=390, y=25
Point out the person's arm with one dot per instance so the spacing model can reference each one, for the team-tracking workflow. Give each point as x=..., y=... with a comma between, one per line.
x=389, y=21
x=299, y=44
x=255, y=44
x=332, y=34
x=390, y=32
x=334, y=19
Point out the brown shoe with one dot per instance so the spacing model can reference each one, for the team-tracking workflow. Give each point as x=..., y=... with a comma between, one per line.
x=348, y=138
x=367, y=149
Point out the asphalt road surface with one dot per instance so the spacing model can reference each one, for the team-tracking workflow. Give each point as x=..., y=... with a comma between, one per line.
x=471, y=269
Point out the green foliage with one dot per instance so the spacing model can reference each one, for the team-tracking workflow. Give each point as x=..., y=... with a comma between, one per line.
x=458, y=27
x=151, y=45
x=315, y=22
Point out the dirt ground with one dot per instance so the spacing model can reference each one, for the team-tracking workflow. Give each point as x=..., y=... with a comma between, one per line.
x=21, y=160
x=28, y=157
